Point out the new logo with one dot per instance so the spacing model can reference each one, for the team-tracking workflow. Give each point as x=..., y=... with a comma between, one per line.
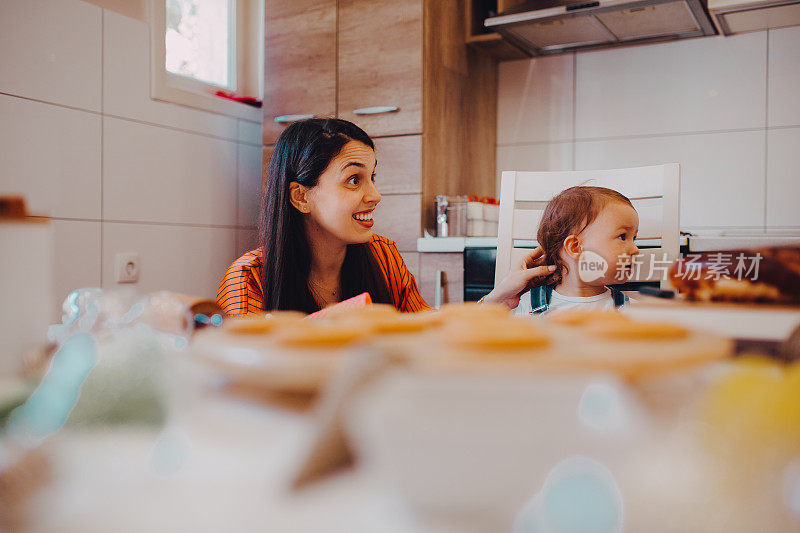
x=591, y=266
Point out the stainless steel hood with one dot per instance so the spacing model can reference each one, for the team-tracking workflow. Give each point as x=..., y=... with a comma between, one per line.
x=739, y=16
x=555, y=26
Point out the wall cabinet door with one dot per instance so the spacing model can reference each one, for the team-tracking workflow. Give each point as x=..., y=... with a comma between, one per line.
x=299, y=62
x=398, y=218
x=399, y=169
x=380, y=64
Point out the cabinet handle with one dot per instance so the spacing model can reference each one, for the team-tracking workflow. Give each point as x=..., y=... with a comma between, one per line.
x=376, y=110
x=438, y=289
x=284, y=119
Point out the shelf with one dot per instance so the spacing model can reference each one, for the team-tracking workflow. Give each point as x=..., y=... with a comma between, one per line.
x=496, y=46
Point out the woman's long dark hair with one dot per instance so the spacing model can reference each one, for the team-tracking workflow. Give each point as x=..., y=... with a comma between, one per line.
x=303, y=151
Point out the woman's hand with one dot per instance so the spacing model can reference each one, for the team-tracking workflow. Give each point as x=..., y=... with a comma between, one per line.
x=525, y=276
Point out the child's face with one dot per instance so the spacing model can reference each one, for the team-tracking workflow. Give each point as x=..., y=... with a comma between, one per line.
x=611, y=236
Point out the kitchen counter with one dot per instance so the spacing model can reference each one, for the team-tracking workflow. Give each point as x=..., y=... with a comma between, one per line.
x=696, y=243
x=458, y=244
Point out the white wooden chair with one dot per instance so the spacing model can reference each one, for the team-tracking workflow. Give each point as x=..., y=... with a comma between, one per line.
x=654, y=191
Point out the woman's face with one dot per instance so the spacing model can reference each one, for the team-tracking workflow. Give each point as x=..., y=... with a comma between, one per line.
x=342, y=202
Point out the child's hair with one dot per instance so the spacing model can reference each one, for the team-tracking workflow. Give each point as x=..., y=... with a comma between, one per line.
x=569, y=213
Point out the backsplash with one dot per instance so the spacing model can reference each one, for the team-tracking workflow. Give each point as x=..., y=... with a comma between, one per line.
x=725, y=108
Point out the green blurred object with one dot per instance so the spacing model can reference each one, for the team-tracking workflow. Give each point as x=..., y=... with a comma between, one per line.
x=127, y=385
x=13, y=393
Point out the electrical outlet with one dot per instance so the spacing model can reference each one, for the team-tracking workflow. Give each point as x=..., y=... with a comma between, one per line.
x=127, y=266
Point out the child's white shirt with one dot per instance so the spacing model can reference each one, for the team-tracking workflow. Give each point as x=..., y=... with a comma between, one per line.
x=558, y=303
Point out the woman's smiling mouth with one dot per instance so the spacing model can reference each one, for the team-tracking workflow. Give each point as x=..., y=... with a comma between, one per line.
x=364, y=218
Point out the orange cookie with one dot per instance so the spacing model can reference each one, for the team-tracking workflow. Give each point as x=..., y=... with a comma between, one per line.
x=259, y=324
x=402, y=323
x=473, y=310
x=586, y=317
x=318, y=334
x=508, y=334
x=635, y=330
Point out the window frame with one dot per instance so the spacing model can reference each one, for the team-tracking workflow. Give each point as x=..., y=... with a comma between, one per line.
x=183, y=90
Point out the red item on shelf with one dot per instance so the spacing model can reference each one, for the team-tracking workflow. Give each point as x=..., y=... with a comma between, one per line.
x=249, y=100
x=491, y=200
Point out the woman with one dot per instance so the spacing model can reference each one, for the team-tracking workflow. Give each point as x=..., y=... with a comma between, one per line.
x=315, y=223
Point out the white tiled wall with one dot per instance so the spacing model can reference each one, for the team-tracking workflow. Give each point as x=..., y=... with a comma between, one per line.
x=783, y=177
x=52, y=155
x=83, y=141
x=725, y=108
x=189, y=259
x=164, y=175
x=51, y=51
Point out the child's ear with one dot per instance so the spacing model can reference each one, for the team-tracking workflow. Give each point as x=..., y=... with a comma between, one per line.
x=298, y=195
x=573, y=246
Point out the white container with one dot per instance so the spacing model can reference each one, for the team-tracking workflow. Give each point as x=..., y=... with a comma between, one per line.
x=475, y=211
x=491, y=212
x=477, y=228
x=26, y=285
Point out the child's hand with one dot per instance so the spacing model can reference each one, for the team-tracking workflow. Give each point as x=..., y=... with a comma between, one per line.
x=508, y=291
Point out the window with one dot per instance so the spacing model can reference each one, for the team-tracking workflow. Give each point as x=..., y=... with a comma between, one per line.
x=200, y=47
x=200, y=41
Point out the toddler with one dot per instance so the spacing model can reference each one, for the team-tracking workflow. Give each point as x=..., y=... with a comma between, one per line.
x=588, y=234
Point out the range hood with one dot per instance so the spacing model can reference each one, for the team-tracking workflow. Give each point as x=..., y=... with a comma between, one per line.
x=556, y=26
x=737, y=16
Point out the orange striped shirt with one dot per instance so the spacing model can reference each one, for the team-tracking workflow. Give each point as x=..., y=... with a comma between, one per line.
x=240, y=290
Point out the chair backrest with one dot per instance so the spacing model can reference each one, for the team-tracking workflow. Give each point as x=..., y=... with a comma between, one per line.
x=654, y=191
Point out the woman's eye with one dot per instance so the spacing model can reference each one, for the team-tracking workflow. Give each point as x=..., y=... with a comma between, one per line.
x=373, y=178
x=353, y=179
x=622, y=236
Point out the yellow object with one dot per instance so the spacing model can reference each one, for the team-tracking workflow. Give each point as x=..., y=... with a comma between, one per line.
x=756, y=407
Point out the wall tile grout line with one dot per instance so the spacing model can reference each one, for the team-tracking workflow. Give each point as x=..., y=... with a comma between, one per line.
x=533, y=143
x=40, y=101
x=175, y=128
x=135, y=120
x=644, y=136
x=102, y=132
x=574, y=105
x=145, y=222
x=236, y=198
x=336, y=64
x=766, y=131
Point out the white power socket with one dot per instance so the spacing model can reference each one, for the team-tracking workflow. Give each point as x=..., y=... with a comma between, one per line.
x=127, y=267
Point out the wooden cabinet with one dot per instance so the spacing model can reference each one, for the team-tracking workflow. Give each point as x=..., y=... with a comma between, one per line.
x=299, y=62
x=399, y=169
x=380, y=65
x=451, y=267
x=397, y=217
x=479, y=36
x=409, y=54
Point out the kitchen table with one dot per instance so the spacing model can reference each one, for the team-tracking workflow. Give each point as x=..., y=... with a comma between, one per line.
x=221, y=464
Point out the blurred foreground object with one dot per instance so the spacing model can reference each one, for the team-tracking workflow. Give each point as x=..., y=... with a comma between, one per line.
x=751, y=416
x=26, y=245
x=109, y=368
x=763, y=275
